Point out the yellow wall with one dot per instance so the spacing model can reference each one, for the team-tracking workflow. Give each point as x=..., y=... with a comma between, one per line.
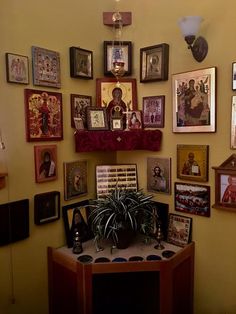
x=59, y=25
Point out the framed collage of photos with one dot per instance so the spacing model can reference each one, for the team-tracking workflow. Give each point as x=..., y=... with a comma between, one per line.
x=110, y=177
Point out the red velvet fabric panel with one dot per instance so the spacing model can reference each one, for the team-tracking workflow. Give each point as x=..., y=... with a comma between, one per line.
x=87, y=141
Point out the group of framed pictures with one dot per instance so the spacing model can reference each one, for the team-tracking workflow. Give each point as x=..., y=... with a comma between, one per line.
x=46, y=169
x=116, y=108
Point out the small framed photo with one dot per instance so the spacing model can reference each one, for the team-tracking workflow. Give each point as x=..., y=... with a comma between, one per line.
x=179, y=230
x=79, y=104
x=225, y=184
x=109, y=177
x=46, y=207
x=75, y=179
x=233, y=124
x=192, y=199
x=153, y=111
x=97, y=118
x=154, y=63
x=45, y=157
x=234, y=76
x=46, y=67
x=81, y=63
x=43, y=114
x=116, y=124
x=194, y=101
x=134, y=120
x=192, y=162
x=117, y=52
x=17, y=68
x=159, y=175
x=109, y=94
x=76, y=216
x=79, y=124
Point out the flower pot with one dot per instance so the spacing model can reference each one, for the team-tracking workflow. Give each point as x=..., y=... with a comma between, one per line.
x=125, y=237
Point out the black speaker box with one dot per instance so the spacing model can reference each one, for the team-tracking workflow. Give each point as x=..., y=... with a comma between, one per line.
x=14, y=221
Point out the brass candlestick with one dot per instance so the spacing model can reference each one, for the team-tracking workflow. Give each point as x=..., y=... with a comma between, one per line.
x=159, y=237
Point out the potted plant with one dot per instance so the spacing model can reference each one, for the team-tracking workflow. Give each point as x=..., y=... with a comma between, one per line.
x=120, y=215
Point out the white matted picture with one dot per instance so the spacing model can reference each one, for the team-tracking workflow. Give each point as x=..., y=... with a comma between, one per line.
x=179, y=230
x=75, y=179
x=194, y=101
x=159, y=175
x=17, y=68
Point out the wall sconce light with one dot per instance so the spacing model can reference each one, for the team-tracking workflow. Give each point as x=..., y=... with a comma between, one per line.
x=189, y=26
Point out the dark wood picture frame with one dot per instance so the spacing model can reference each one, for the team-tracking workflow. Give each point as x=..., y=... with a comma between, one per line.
x=81, y=63
x=97, y=119
x=43, y=115
x=234, y=76
x=79, y=104
x=17, y=68
x=192, y=199
x=75, y=179
x=126, y=51
x=82, y=211
x=225, y=184
x=154, y=63
x=194, y=101
x=116, y=124
x=179, y=230
x=46, y=67
x=192, y=162
x=45, y=157
x=46, y=207
x=154, y=111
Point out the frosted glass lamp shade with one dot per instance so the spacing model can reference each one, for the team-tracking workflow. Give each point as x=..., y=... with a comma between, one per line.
x=189, y=25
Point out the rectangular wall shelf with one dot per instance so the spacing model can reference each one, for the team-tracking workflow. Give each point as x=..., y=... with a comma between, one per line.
x=88, y=141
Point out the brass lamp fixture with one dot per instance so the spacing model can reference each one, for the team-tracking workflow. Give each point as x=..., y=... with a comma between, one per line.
x=189, y=26
x=117, y=58
x=117, y=20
